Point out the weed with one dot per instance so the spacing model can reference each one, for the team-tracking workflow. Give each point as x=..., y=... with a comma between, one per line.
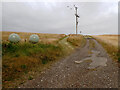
x=30, y=78
x=23, y=66
x=21, y=58
x=16, y=55
x=26, y=56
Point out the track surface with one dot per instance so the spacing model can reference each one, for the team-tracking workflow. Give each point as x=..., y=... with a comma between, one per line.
x=66, y=73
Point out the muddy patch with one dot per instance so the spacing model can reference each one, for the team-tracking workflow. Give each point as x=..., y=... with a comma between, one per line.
x=96, y=61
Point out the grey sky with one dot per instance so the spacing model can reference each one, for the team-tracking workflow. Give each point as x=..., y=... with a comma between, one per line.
x=53, y=17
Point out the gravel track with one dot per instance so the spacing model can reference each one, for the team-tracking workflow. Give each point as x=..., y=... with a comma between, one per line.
x=67, y=74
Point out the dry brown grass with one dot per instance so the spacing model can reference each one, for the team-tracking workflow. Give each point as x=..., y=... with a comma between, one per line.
x=110, y=43
x=21, y=58
x=76, y=40
x=110, y=39
x=44, y=37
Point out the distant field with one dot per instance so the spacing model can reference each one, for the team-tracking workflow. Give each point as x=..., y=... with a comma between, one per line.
x=44, y=38
x=111, y=44
x=110, y=39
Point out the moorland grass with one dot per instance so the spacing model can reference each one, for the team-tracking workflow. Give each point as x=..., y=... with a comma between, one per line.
x=76, y=40
x=21, y=61
x=20, y=58
x=111, y=49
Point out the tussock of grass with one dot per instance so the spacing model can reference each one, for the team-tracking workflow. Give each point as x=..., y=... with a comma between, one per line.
x=76, y=40
x=20, y=58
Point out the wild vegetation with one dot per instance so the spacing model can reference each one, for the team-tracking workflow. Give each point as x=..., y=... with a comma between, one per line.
x=23, y=61
x=76, y=41
x=21, y=58
x=110, y=43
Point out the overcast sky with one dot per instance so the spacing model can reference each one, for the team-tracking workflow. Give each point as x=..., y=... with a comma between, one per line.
x=55, y=17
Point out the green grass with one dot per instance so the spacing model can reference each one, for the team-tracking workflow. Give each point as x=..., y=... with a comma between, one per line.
x=30, y=78
x=26, y=49
x=20, y=58
x=21, y=61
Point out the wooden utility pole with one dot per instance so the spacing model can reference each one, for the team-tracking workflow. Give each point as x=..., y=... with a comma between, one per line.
x=76, y=15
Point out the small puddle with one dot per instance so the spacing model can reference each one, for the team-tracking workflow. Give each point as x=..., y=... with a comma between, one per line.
x=96, y=60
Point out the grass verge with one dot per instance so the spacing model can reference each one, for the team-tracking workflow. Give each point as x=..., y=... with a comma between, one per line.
x=111, y=50
x=20, y=58
x=76, y=40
